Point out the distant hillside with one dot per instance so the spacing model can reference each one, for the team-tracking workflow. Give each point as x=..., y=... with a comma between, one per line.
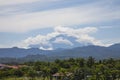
x=19, y=52
x=37, y=54
x=95, y=51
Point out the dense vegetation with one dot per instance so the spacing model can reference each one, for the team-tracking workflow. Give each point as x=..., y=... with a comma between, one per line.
x=87, y=69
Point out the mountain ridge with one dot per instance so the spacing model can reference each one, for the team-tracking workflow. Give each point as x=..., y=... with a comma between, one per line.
x=85, y=51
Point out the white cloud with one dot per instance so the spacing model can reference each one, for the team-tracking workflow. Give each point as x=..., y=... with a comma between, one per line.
x=81, y=35
x=15, y=2
x=71, y=31
x=11, y=2
x=60, y=40
x=46, y=48
x=85, y=14
x=86, y=38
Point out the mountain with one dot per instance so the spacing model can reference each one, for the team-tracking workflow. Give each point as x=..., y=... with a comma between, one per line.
x=19, y=52
x=98, y=52
x=94, y=51
x=115, y=47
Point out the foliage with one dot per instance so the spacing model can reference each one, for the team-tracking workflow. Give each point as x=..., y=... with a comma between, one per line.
x=91, y=69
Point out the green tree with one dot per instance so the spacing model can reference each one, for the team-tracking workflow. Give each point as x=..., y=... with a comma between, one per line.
x=79, y=74
x=31, y=73
x=82, y=62
x=90, y=61
x=17, y=73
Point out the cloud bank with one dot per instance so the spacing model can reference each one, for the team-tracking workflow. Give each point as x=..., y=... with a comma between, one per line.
x=19, y=20
x=60, y=37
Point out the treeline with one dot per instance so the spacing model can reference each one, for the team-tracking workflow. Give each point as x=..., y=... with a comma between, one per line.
x=79, y=69
x=31, y=58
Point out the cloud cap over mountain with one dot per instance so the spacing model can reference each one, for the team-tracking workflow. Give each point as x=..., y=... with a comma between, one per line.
x=63, y=37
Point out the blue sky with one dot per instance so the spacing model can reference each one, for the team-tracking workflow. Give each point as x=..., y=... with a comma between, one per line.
x=22, y=21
